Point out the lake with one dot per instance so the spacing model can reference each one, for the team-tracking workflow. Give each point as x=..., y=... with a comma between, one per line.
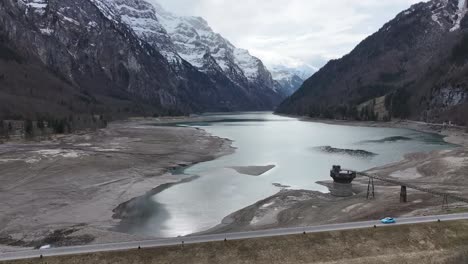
x=261, y=139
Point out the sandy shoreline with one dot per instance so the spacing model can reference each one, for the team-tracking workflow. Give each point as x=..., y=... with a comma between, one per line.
x=64, y=191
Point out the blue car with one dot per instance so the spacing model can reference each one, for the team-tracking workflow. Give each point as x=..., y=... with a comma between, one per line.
x=388, y=220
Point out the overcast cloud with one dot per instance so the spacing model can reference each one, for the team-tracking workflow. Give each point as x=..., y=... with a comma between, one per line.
x=293, y=32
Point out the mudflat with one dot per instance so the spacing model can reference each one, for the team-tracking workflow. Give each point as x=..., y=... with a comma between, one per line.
x=64, y=190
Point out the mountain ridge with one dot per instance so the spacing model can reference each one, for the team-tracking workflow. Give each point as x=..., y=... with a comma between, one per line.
x=192, y=39
x=290, y=79
x=112, y=64
x=409, y=62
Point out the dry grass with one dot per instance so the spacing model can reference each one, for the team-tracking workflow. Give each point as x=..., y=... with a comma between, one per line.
x=445, y=242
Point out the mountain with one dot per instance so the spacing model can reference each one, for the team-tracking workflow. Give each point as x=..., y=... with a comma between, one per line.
x=63, y=58
x=212, y=54
x=414, y=67
x=288, y=82
x=290, y=79
x=241, y=79
x=59, y=58
x=303, y=71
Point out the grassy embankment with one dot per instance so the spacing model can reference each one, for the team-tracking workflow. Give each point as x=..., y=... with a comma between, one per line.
x=445, y=242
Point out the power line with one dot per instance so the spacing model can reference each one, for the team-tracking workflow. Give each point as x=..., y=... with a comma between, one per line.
x=415, y=187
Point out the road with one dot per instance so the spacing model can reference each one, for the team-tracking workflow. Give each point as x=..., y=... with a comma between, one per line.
x=26, y=254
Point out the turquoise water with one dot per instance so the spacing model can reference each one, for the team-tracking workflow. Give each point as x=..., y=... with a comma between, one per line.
x=264, y=139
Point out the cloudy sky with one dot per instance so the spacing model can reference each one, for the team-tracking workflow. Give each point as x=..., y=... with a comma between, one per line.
x=293, y=32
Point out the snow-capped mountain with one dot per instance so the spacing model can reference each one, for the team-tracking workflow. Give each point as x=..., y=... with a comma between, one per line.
x=190, y=39
x=198, y=44
x=291, y=79
x=303, y=71
x=140, y=16
x=448, y=14
x=88, y=63
x=288, y=82
x=123, y=57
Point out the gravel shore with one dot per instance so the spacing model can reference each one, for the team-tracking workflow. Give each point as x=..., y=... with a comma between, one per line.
x=75, y=189
x=64, y=191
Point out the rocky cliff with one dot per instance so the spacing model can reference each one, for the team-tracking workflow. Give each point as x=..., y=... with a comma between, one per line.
x=93, y=57
x=240, y=76
x=116, y=57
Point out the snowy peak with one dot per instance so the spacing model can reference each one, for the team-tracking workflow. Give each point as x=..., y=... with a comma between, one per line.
x=283, y=75
x=188, y=38
x=460, y=14
x=198, y=44
x=185, y=37
x=303, y=71
x=37, y=6
x=182, y=39
x=291, y=79
x=140, y=16
x=249, y=64
x=447, y=14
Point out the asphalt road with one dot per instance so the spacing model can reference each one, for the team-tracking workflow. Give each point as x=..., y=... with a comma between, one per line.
x=26, y=254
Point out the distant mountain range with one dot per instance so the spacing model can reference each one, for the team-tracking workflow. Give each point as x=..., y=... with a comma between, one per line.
x=415, y=66
x=122, y=57
x=291, y=79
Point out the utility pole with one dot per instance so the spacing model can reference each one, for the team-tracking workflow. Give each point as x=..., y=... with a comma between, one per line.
x=403, y=195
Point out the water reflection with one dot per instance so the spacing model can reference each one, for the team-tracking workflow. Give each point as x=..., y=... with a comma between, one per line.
x=265, y=139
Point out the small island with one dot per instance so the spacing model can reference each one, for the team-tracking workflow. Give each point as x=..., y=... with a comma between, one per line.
x=253, y=170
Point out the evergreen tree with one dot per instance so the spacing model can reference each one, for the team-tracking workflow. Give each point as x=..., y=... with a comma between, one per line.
x=40, y=124
x=2, y=129
x=28, y=128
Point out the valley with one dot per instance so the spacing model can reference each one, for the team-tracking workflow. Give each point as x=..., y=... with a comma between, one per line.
x=131, y=174
x=137, y=120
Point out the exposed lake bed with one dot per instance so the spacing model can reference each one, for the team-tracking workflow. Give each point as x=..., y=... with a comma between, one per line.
x=293, y=147
x=265, y=187
x=77, y=183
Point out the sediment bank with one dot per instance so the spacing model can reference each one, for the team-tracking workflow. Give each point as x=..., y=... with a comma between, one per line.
x=71, y=184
